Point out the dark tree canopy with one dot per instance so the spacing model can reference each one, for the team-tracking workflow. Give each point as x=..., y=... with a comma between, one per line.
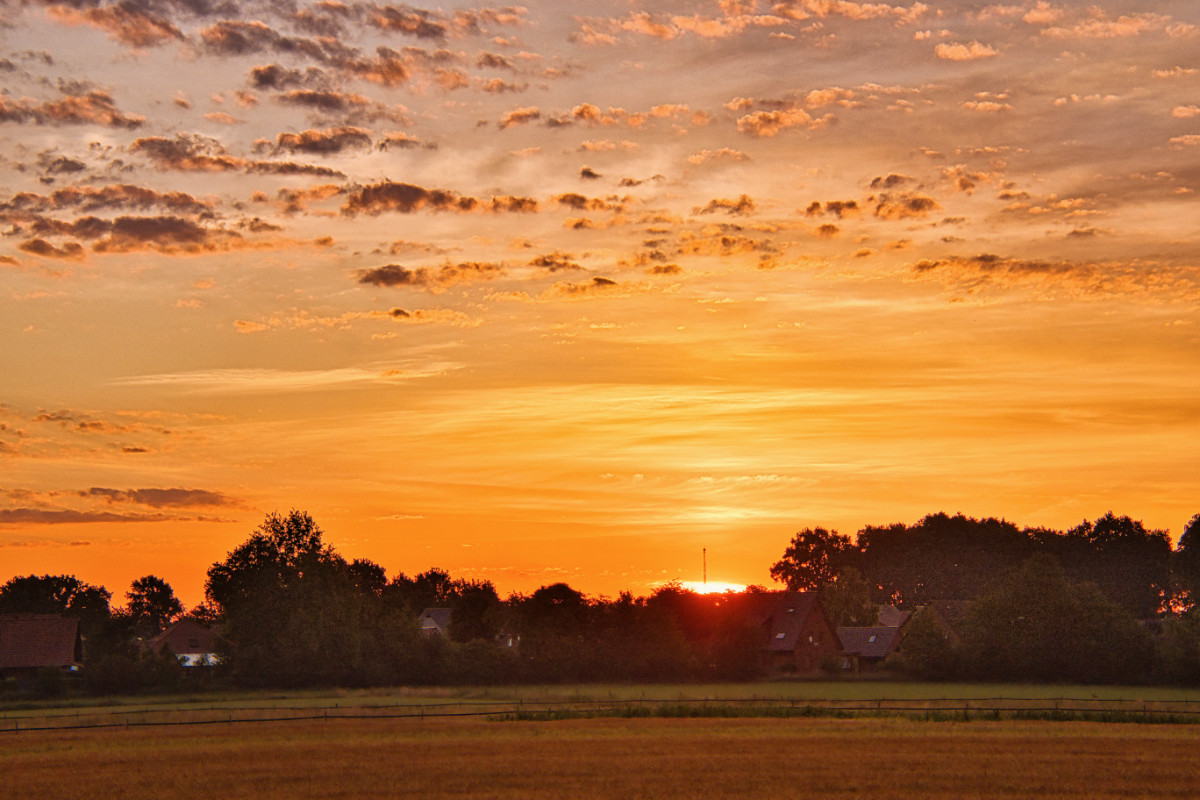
x=152, y=601
x=55, y=594
x=812, y=558
x=277, y=554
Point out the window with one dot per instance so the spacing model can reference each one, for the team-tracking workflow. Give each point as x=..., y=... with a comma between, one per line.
x=872, y=638
x=781, y=636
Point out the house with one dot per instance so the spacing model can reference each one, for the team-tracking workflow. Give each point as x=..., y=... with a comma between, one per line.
x=29, y=642
x=863, y=649
x=892, y=617
x=798, y=636
x=435, y=622
x=192, y=643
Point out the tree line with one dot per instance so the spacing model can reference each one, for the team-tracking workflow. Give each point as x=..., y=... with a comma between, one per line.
x=1105, y=601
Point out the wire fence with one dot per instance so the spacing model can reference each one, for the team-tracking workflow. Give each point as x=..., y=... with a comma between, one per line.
x=1065, y=708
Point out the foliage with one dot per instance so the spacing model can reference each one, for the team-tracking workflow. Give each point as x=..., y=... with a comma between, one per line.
x=812, y=558
x=152, y=602
x=847, y=600
x=1038, y=625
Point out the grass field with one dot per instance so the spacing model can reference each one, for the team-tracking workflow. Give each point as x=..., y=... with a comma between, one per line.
x=606, y=758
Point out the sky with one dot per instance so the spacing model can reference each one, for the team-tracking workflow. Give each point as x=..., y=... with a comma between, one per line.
x=588, y=292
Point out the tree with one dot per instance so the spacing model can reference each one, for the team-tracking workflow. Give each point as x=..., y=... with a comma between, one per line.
x=1131, y=565
x=64, y=595
x=277, y=554
x=813, y=558
x=152, y=603
x=1185, y=564
x=1038, y=625
x=847, y=600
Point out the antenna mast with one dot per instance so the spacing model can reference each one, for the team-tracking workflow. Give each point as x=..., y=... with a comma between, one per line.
x=705, y=574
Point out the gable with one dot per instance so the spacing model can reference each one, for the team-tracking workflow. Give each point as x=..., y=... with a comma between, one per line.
x=29, y=641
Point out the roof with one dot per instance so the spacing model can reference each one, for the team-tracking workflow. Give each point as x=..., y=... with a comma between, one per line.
x=892, y=617
x=435, y=619
x=185, y=636
x=877, y=641
x=784, y=615
x=28, y=641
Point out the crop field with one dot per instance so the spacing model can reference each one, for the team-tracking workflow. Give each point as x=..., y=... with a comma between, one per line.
x=591, y=759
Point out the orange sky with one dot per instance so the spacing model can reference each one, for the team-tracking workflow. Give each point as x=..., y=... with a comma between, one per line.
x=534, y=294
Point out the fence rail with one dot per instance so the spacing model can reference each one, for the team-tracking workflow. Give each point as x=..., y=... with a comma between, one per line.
x=1187, y=711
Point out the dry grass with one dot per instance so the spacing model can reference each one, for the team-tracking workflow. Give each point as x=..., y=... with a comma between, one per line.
x=587, y=759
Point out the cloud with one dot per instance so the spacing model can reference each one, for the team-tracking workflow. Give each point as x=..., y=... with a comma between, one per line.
x=326, y=142
x=63, y=516
x=162, y=498
x=597, y=286
x=519, y=116
x=40, y=247
x=323, y=100
x=742, y=206
x=394, y=275
x=126, y=23
x=1098, y=25
x=407, y=20
x=972, y=51
x=722, y=154
x=188, y=152
x=405, y=198
x=766, y=124
x=976, y=274
x=555, y=262
x=904, y=205
x=839, y=208
x=254, y=381
x=96, y=198
x=94, y=108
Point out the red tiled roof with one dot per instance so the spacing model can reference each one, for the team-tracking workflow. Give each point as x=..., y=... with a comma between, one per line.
x=28, y=641
x=186, y=636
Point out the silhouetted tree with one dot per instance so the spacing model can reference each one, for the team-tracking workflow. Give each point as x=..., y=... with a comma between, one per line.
x=847, y=600
x=152, y=604
x=1038, y=625
x=1185, y=564
x=812, y=558
x=1130, y=565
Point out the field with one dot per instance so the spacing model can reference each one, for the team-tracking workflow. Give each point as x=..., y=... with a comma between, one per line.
x=587, y=759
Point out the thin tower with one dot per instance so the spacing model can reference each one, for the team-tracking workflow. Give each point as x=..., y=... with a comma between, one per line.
x=705, y=572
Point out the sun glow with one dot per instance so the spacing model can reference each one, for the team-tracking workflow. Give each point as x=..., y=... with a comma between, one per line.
x=712, y=587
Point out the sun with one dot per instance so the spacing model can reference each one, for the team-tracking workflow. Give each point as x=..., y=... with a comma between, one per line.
x=712, y=587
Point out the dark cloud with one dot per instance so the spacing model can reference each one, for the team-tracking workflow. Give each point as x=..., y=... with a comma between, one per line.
x=597, y=285
x=162, y=498
x=493, y=61
x=94, y=108
x=904, y=205
x=94, y=198
x=890, y=182
x=394, y=275
x=188, y=152
x=519, y=116
x=743, y=205
x=292, y=168
x=40, y=247
x=326, y=142
x=839, y=208
x=62, y=516
x=405, y=198
x=60, y=165
x=407, y=20
x=555, y=262
x=589, y=174
x=665, y=269
x=274, y=76
x=323, y=100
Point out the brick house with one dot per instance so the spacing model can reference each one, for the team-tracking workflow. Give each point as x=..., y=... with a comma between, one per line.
x=798, y=636
x=29, y=642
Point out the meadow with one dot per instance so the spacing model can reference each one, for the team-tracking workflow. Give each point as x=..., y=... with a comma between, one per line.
x=586, y=759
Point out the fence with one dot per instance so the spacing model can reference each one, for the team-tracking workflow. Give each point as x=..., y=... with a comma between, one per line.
x=1175, y=711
